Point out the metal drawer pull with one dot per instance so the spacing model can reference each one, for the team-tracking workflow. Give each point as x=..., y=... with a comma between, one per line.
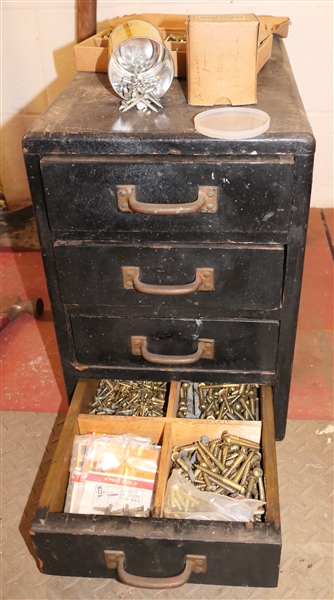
x=204, y=282
x=206, y=202
x=139, y=348
x=116, y=559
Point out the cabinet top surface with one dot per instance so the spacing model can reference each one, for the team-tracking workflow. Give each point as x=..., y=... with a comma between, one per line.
x=86, y=114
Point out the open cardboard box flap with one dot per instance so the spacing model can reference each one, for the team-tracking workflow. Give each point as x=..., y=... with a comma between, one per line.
x=277, y=25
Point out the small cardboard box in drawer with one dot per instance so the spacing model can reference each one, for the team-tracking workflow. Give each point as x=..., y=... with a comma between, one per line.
x=222, y=59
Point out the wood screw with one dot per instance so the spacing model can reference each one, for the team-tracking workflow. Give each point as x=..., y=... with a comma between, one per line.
x=220, y=466
x=221, y=401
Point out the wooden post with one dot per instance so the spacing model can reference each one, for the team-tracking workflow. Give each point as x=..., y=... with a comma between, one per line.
x=86, y=19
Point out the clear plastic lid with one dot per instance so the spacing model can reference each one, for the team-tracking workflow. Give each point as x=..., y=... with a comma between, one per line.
x=232, y=123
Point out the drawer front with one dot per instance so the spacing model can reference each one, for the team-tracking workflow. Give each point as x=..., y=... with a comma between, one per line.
x=238, y=278
x=253, y=195
x=105, y=341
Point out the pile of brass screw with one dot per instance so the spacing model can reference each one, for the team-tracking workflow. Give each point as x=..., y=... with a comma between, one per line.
x=220, y=401
x=130, y=398
x=230, y=466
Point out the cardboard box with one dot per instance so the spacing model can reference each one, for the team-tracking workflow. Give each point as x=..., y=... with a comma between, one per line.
x=264, y=48
x=92, y=54
x=222, y=59
x=269, y=26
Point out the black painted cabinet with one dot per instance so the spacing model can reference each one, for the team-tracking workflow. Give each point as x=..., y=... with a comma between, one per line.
x=159, y=243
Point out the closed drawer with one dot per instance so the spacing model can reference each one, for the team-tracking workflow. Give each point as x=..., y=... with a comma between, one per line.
x=227, y=345
x=236, y=278
x=233, y=553
x=250, y=194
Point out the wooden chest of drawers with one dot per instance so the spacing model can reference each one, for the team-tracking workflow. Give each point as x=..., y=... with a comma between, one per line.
x=169, y=255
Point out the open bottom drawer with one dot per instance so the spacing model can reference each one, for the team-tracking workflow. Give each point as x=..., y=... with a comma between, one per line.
x=156, y=552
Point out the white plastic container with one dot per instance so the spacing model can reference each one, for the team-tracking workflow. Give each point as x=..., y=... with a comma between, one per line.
x=232, y=123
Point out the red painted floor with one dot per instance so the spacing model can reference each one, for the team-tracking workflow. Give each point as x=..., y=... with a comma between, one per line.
x=312, y=377
x=31, y=371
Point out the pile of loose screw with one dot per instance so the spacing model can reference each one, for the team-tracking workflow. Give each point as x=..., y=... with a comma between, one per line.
x=220, y=401
x=130, y=398
x=229, y=465
x=138, y=92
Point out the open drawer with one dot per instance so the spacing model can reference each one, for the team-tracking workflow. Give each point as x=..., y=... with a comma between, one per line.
x=156, y=552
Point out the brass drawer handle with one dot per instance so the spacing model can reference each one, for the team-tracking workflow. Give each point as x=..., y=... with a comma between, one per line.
x=204, y=282
x=206, y=202
x=116, y=559
x=139, y=348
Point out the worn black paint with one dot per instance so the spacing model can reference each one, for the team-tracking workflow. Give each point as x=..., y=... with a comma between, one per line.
x=236, y=553
x=239, y=345
x=245, y=277
x=253, y=194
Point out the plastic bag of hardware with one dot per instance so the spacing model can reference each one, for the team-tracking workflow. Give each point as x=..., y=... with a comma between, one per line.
x=117, y=477
x=184, y=501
